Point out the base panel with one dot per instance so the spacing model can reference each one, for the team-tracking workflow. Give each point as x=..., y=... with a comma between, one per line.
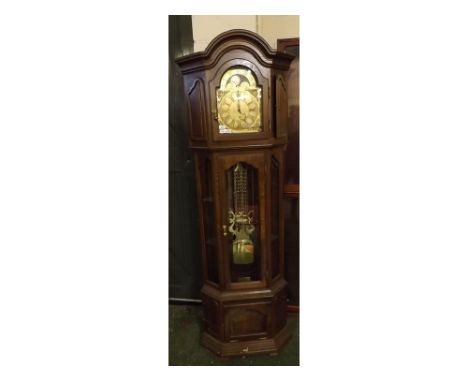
x=232, y=349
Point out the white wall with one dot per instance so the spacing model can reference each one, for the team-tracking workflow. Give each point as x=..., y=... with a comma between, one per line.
x=271, y=28
x=205, y=28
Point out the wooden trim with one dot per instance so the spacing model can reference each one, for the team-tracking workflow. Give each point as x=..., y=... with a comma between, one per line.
x=230, y=40
x=291, y=190
x=293, y=309
x=184, y=301
x=179, y=301
x=283, y=43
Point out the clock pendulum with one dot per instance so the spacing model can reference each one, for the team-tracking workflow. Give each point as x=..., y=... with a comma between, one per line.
x=240, y=220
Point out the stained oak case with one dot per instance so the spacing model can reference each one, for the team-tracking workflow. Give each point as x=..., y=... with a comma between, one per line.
x=237, y=106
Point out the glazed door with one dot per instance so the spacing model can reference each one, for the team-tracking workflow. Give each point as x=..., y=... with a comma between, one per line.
x=241, y=182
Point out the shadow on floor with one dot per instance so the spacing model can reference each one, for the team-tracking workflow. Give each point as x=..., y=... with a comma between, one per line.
x=185, y=326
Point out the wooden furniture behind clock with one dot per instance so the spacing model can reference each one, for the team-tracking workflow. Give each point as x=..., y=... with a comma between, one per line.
x=291, y=176
x=237, y=105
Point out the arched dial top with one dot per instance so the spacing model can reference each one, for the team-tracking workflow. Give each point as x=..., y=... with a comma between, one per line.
x=239, y=102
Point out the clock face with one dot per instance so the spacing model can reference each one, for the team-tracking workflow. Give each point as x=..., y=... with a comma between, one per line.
x=239, y=102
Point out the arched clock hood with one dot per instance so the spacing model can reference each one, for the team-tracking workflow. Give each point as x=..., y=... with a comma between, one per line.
x=230, y=40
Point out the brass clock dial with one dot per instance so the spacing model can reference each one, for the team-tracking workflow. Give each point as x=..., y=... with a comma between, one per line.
x=239, y=102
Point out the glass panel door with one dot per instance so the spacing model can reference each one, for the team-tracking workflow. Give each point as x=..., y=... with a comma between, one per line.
x=208, y=218
x=243, y=228
x=275, y=217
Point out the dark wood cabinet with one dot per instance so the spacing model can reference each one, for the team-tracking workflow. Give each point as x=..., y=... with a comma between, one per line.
x=291, y=175
x=237, y=102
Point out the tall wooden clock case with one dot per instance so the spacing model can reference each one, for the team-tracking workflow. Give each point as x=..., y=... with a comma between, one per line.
x=237, y=106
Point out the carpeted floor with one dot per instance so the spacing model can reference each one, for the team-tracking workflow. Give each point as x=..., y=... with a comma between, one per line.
x=185, y=325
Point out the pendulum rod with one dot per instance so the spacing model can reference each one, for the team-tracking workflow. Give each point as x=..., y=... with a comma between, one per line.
x=240, y=189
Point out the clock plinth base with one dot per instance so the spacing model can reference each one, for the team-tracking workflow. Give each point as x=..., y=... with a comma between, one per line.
x=239, y=348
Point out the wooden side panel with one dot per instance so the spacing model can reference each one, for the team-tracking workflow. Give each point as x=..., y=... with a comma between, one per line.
x=280, y=308
x=291, y=182
x=197, y=110
x=281, y=108
x=211, y=314
x=207, y=217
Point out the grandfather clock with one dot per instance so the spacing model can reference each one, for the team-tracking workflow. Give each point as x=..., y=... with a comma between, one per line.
x=237, y=106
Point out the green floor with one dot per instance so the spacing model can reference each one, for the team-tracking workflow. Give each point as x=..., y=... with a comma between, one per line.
x=185, y=350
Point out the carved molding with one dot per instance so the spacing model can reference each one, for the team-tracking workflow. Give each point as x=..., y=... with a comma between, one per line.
x=281, y=108
x=197, y=109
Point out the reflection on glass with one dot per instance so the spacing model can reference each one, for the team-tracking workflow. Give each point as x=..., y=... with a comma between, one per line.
x=244, y=245
x=274, y=223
